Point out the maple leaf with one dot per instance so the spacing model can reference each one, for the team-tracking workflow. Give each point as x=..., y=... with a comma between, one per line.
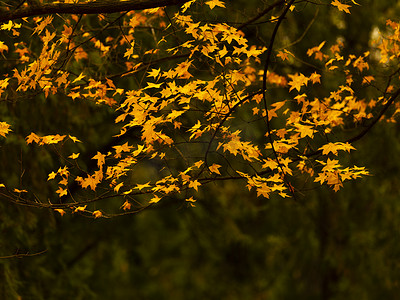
x=118, y=186
x=142, y=186
x=122, y=148
x=194, y=184
x=269, y=163
x=155, y=199
x=298, y=80
x=283, y=55
x=330, y=147
x=214, y=168
x=61, y=192
x=63, y=171
x=97, y=214
x=52, y=139
x=74, y=139
x=331, y=165
x=89, y=181
x=64, y=181
x=60, y=211
x=187, y=5
x=151, y=85
x=314, y=77
x=321, y=178
x=341, y=6
x=334, y=147
x=80, y=209
x=190, y=199
x=7, y=26
x=305, y=130
x=198, y=164
x=4, y=129
x=80, y=77
x=3, y=47
x=214, y=3
x=74, y=155
x=100, y=159
x=154, y=73
x=368, y=79
x=190, y=203
x=52, y=175
x=263, y=190
x=126, y=205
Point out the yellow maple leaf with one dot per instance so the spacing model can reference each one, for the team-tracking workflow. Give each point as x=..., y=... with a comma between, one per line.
x=368, y=79
x=118, y=186
x=263, y=190
x=142, y=186
x=80, y=77
x=3, y=47
x=154, y=73
x=341, y=6
x=283, y=55
x=330, y=147
x=270, y=163
x=126, y=205
x=74, y=139
x=89, y=181
x=315, y=77
x=4, y=128
x=10, y=25
x=52, y=175
x=80, y=208
x=214, y=168
x=60, y=211
x=331, y=165
x=187, y=5
x=214, y=3
x=298, y=80
x=100, y=159
x=74, y=155
x=122, y=148
x=151, y=85
x=20, y=191
x=334, y=147
x=198, y=164
x=155, y=199
x=52, y=139
x=61, y=192
x=194, y=184
x=190, y=199
x=97, y=214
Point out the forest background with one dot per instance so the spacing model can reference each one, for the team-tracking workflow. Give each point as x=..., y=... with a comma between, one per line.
x=212, y=237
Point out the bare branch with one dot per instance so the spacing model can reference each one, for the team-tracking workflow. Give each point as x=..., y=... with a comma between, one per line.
x=97, y=7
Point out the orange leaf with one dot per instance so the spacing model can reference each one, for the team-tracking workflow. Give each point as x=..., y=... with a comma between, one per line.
x=194, y=184
x=74, y=156
x=61, y=192
x=341, y=6
x=126, y=205
x=60, y=211
x=100, y=159
x=214, y=3
x=214, y=168
x=80, y=208
x=97, y=214
x=4, y=128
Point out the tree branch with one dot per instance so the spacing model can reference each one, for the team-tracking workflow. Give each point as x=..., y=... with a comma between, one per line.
x=97, y=7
